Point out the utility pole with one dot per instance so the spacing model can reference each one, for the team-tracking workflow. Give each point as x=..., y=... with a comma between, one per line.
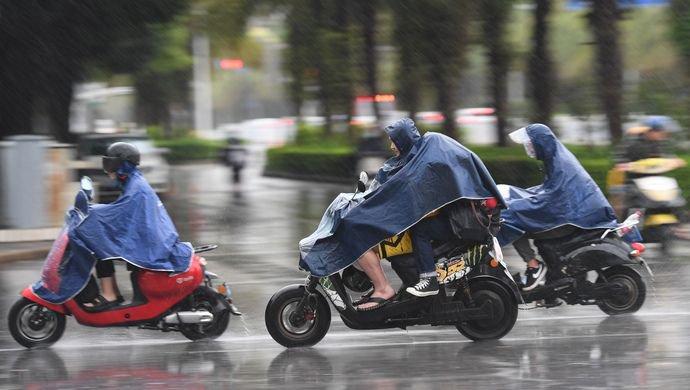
x=201, y=84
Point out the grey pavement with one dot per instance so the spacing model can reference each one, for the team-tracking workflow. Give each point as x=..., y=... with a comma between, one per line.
x=15, y=251
x=257, y=224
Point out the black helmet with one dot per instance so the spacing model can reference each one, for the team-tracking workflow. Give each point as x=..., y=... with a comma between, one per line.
x=118, y=153
x=356, y=280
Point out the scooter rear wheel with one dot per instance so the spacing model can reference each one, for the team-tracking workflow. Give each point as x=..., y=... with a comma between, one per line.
x=634, y=297
x=207, y=299
x=33, y=325
x=504, y=309
x=313, y=323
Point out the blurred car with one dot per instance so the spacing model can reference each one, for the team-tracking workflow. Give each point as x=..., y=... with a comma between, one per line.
x=91, y=147
x=478, y=125
x=429, y=118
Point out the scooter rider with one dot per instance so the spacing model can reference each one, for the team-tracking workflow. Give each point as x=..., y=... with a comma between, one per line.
x=643, y=142
x=135, y=228
x=567, y=201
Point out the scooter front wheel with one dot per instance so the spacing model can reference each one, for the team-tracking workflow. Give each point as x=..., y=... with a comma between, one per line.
x=292, y=329
x=33, y=325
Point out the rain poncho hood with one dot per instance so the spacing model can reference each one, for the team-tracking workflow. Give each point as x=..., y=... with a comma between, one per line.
x=438, y=171
x=568, y=195
x=405, y=136
x=135, y=228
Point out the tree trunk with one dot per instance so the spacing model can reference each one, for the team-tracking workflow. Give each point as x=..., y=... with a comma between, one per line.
x=59, y=101
x=368, y=19
x=540, y=66
x=18, y=81
x=603, y=20
x=322, y=76
x=495, y=16
x=445, y=86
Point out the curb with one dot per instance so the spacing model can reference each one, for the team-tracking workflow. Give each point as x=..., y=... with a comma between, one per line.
x=26, y=254
x=27, y=235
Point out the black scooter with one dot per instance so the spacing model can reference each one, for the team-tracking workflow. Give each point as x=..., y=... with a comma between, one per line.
x=477, y=295
x=617, y=289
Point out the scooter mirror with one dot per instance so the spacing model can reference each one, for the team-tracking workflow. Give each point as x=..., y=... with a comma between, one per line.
x=87, y=187
x=86, y=183
x=81, y=202
x=361, y=187
x=363, y=177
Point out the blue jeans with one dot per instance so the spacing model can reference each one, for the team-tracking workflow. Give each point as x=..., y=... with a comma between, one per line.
x=434, y=228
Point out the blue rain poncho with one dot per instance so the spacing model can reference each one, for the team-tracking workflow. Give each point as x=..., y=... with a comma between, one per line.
x=568, y=195
x=437, y=171
x=404, y=134
x=135, y=228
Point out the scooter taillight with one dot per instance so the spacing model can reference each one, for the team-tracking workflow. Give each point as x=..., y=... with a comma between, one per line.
x=638, y=248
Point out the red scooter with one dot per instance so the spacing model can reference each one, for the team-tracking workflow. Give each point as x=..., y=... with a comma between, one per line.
x=186, y=302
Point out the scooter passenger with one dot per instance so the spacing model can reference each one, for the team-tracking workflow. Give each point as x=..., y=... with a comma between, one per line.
x=403, y=135
x=568, y=201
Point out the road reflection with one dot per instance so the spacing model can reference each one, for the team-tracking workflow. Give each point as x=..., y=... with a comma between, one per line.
x=188, y=366
x=614, y=354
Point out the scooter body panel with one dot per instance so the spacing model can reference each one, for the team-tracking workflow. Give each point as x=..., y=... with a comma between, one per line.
x=568, y=267
x=29, y=294
x=161, y=291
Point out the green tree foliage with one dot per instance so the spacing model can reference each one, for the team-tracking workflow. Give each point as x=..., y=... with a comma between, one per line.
x=319, y=56
x=224, y=21
x=680, y=31
x=48, y=45
x=301, y=40
x=680, y=28
x=411, y=69
x=431, y=37
x=164, y=78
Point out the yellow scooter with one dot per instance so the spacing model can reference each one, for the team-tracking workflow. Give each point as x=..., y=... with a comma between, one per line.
x=639, y=185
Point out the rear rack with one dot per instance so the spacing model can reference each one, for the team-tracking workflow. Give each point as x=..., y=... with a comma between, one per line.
x=205, y=248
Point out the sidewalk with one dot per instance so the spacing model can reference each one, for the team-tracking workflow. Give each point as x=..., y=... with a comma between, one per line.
x=34, y=250
x=29, y=244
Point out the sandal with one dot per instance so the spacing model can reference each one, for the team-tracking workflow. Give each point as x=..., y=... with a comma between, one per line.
x=380, y=302
x=101, y=304
x=363, y=299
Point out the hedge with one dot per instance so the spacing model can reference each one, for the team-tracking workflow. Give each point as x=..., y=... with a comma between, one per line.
x=506, y=165
x=190, y=148
x=331, y=164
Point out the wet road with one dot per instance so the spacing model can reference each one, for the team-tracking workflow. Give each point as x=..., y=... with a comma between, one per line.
x=257, y=224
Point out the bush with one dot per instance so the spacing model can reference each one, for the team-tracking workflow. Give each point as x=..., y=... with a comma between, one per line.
x=157, y=133
x=507, y=165
x=308, y=135
x=330, y=163
x=190, y=148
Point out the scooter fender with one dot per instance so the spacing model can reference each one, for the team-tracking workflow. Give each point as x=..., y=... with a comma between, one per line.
x=29, y=294
x=497, y=275
x=604, y=254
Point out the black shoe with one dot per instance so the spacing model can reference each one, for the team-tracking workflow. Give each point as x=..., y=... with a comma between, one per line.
x=101, y=304
x=534, y=276
x=424, y=288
